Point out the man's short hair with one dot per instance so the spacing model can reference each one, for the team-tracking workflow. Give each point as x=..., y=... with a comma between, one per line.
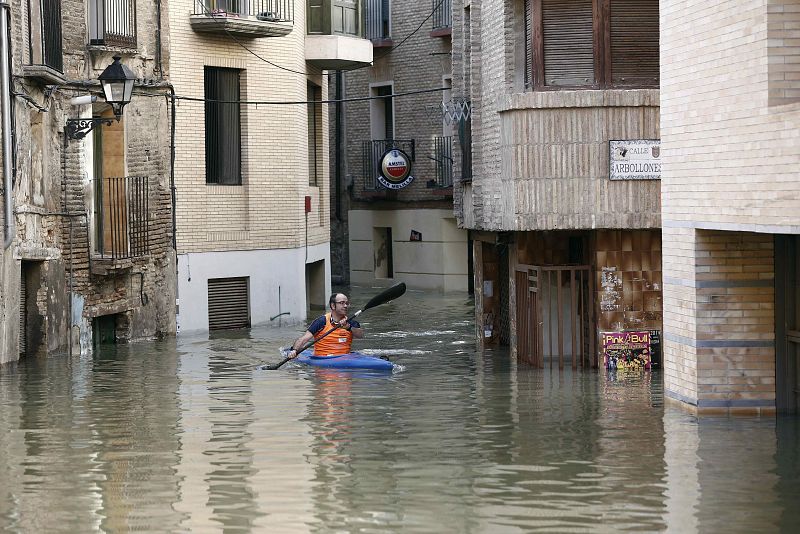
x=332, y=300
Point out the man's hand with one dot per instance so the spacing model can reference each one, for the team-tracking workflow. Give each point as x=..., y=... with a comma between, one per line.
x=292, y=354
x=344, y=324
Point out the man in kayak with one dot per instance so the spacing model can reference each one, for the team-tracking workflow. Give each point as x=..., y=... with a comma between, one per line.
x=338, y=342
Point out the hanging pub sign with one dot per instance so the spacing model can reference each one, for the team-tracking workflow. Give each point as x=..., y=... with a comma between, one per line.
x=395, y=169
x=635, y=159
x=626, y=350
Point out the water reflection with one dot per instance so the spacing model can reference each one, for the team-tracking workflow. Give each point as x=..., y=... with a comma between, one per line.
x=190, y=437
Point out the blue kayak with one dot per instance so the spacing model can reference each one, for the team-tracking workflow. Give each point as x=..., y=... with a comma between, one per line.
x=353, y=360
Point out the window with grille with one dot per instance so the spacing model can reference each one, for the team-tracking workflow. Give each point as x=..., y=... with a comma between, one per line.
x=314, y=94
x=592, y=43
x=223, y=126
x=112, y=23
x=45, y=34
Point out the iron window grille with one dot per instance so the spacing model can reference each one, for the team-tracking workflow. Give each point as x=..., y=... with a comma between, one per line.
x=378, y=20
x=122, y=216
x=44, y=28
x=442, y=14
x=223, y=135
x=112, y=23
x=443, y=160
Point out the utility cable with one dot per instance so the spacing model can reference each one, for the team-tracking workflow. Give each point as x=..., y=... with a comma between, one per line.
x=307, y=102
x=218, y=20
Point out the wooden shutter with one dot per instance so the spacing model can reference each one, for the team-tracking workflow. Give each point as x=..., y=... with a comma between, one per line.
x=634, y=42
x=228, y=303
x=568, y=42
x=223, y=127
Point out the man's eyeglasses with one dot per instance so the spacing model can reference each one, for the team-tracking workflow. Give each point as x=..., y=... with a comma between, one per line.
x=345, y=302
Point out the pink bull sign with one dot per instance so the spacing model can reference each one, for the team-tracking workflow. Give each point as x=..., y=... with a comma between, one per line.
x=626, y=350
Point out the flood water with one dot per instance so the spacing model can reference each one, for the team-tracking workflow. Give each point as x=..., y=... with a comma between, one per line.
x=189, y=436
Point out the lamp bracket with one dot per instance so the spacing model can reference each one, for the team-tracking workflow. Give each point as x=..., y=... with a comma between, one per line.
x=79, y=128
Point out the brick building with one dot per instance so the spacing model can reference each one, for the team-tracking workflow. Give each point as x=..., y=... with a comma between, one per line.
x=406, y=234
x=563, y=203
x=250, y=249
x=87, y=256
x=730, y=110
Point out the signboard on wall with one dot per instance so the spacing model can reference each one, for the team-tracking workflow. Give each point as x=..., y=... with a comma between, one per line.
x=626, y=350
x=395, y=169
x=635, y=159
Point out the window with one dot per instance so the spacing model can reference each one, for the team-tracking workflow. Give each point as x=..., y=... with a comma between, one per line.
x=313, y=94
x=112, y=23
x=592, y=43
x=223, y=127
x=381, y=111
x=379, y=20
x=45, y=33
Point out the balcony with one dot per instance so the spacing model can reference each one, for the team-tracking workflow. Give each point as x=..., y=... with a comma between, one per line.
x=46, y=62
x=442, y=18
x=112, y=23
x=379, y=28
x=244, y=18
x=121, y=218
x=335, y=34
x=443, y=163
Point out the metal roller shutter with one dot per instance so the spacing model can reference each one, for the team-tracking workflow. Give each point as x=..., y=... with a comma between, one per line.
x=228, y=303
x=568, y=36
x=634, y=42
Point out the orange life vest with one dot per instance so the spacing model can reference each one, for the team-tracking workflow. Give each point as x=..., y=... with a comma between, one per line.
x=336, y=343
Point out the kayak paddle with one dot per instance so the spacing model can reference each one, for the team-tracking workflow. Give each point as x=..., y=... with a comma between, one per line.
x=383, y=297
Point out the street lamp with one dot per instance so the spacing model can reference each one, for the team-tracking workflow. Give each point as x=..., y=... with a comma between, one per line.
x=117, y=81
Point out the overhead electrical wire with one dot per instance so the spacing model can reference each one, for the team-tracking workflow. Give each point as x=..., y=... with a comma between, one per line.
x=302, y=73
x=306, y=102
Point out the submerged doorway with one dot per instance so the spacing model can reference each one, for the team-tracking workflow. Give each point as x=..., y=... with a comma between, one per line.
x=555, y=324
x=787, y=323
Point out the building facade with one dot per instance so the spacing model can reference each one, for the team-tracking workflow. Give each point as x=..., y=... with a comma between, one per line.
x=563, y=201
x=252, y=180
x=87, y=254
x=731, y=205
x=399, y=231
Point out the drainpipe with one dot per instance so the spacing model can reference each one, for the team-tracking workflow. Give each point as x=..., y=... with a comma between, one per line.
x=5, y=99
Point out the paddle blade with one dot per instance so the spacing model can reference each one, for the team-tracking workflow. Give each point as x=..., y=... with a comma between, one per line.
x=385, y=296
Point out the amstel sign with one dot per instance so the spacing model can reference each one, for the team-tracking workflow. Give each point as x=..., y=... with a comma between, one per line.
x=395, y=169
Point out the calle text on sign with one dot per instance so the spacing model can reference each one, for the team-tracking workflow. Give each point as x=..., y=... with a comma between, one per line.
x=635, y=159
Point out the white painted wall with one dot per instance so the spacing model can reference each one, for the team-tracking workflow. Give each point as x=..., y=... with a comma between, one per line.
x=267, y=269
x=438, y=262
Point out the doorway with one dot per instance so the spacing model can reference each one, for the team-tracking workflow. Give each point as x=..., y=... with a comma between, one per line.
x=787, y=323
x=555, y=323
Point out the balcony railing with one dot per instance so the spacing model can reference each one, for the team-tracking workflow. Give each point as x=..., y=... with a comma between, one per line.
x=442, y=14
x=335, y=17
x=112, y=23
x=378, y=20
x=371, y=155
x=443, y=161
x=263, y=10
x=122, y=217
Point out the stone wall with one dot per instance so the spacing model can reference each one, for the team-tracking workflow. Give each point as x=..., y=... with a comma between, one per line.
x=54, y=200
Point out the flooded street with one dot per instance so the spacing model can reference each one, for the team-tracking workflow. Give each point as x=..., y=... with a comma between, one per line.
x=190, y=437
